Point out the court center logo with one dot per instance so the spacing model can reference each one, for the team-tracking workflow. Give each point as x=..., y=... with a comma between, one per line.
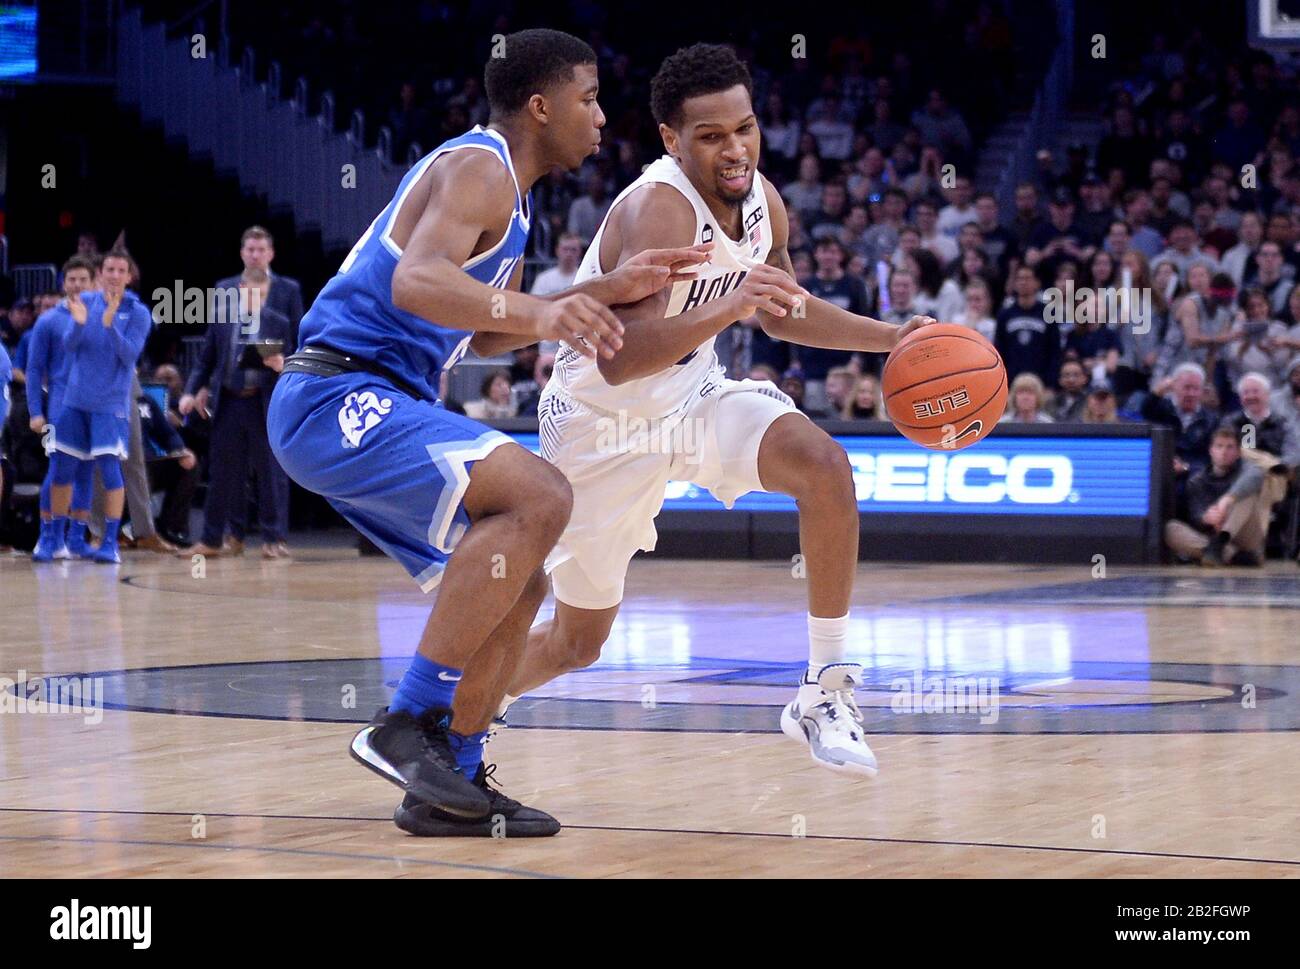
x=361, y=412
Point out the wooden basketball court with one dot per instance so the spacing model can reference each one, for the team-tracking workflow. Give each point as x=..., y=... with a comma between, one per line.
x=1145, y=724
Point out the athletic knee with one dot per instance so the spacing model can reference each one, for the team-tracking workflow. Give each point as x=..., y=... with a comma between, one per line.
x=535, y=589
x=826, y=472
x=580, y=648
x=551, y=501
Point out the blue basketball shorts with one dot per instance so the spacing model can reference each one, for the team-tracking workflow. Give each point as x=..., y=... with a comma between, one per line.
x=85, y=435
x=396, y=467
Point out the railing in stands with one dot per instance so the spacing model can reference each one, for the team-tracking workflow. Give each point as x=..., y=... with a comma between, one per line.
x=33, y=278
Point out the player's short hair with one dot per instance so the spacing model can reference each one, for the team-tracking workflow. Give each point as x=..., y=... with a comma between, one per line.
x=533, y=61
x=79, y=262
x=691, y=72
x=256, y=232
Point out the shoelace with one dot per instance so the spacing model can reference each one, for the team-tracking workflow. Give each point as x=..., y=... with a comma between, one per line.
x=845, y=699
x=433, y=738
x=498, y=796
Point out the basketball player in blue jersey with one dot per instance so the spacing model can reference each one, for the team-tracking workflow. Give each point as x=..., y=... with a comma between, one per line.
x=47, y=365
x=461, y=506
x=108, y=332
x=745, y=435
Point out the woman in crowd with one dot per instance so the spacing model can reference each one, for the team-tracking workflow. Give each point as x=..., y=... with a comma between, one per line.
x=866, y=403
x=978, y=314
x=1027, y=402
x=1257, y=341
x=497, y=402
x=1099, y=407
x=936, y=296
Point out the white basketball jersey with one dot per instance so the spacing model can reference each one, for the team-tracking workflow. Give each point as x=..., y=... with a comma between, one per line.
x=666, y=393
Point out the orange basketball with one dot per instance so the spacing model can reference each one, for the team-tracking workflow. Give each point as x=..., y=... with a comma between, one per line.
x=945, y=386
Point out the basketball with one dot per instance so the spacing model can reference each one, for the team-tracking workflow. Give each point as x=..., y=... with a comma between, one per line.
x=944, y=386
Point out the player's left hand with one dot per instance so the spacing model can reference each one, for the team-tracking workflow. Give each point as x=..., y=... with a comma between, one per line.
x=914, y=323
x=110, y=310
x=651, y=270
x=275, y=361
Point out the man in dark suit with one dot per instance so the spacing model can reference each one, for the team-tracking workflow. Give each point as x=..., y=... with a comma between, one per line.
x=252, y=326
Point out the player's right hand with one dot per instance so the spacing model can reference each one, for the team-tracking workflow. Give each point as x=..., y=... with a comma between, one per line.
x=77, y=308
x=588, y=326
x=768, y=289
x=37, y=424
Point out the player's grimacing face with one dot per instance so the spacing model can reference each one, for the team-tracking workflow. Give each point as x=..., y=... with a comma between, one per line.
x=717, y=143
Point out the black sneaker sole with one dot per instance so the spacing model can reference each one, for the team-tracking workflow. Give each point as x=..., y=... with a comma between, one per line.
x=456, y=796
x=421, y=821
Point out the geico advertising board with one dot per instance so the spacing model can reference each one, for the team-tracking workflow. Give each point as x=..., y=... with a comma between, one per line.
x=1002, y=476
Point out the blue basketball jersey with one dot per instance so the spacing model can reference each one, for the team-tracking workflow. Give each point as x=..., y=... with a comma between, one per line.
x=355, y=311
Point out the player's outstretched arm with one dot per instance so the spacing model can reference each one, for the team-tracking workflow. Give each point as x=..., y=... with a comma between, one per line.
x=442, y=225
x=658, y=217
x=819, y=323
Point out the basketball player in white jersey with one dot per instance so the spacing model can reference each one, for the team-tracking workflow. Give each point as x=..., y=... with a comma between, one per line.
x=729, y=436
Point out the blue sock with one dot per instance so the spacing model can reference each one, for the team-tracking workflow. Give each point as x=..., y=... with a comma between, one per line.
x=426, y=684
x=110, y=531
x=47, y=532
x=58, y=530
x=77, y=535
x=468, y=749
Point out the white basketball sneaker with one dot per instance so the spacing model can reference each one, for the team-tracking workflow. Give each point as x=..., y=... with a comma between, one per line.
x=826, y=718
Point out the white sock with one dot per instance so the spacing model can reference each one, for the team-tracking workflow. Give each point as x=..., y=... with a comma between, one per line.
x=828, y=641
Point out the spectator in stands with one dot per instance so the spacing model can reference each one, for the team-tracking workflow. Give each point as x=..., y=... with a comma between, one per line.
x=568, y=256
x=1272, y=433
x=978, y=313
x=1240, y=259
x=881, y=239
x=1093, y=340
x=830, y=122
x=1285, y=401
x=867, y=404
x=496, y=401
x=409, y=122
x=588, y=211
x=942, y=126
x=781, y=130
x=834, y=285
x=1124, y=147
x=1291, y=317
x=529, y=394
x=1060, y=237
x=1179, y=404
x=1100, y=407
x=872, y=174
x=1271, y=277
x=1137, y=216
x=1027, y=340
x=841, y=388
x=1068, y=402
x=804, y=194
x=1028, y=218
x=1255, y=341
x=828, y=221
x=884, y=132
x=902, y=296
x=1026, y=402
x=1240, y=140
x=1225, y=520
x=936, y=296
x=252, y=321
x=1183, y=251
x=761, y=371
x=1094, y=216
x=792, y=387
x=999, y=243
x=1166, y=210
x=927, y=224
x=960, y=209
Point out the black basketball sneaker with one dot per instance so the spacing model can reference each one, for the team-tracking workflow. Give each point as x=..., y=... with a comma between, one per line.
x=507, y=818
x=415, y=754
